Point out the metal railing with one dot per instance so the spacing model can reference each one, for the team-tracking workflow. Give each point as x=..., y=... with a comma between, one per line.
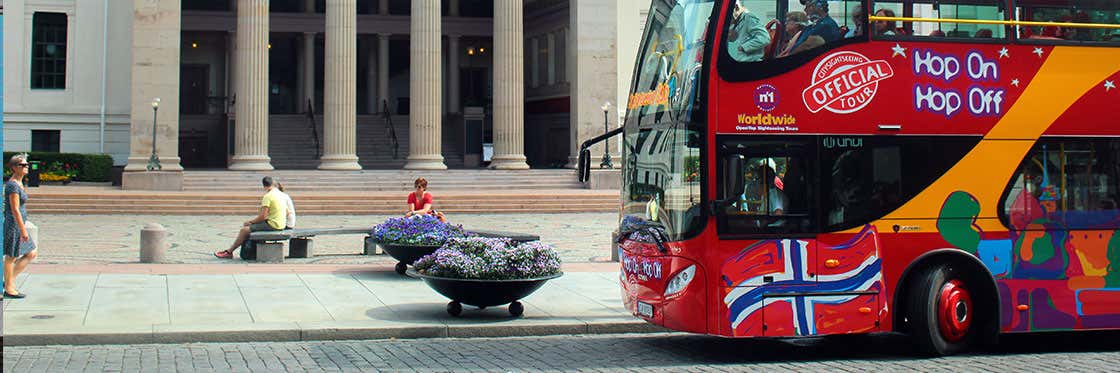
x=390, y=130
x=310, y=113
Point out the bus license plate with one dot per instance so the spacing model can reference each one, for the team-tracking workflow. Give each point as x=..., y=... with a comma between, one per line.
x=645, y=309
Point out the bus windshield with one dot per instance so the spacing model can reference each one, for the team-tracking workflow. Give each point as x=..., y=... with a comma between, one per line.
x=663, y=134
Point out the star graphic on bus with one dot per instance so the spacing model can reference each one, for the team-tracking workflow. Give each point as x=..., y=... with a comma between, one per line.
x=1109, y=85
x=898, y=51
x=1038, y=51
x=1003, y=53
x=1015, y=82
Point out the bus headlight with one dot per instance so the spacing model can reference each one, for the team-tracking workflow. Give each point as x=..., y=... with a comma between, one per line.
x=680, y=280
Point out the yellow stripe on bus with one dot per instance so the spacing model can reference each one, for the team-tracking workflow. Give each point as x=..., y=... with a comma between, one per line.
x=1066, y=75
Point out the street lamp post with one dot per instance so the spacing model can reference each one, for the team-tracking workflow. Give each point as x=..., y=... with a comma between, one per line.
x=606, y=163
x=153, y=161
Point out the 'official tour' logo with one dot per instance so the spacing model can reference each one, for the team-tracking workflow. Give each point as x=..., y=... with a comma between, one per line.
x=845, y=82
x=766, y=97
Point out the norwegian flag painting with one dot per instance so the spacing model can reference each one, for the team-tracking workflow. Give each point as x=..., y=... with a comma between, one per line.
x=780, y=288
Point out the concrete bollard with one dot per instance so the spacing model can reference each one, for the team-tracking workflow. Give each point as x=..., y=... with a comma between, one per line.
x=153, y=243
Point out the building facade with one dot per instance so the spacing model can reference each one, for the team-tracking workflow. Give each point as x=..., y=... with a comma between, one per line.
x=301, y=84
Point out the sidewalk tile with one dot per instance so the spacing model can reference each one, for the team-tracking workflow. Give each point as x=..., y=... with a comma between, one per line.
x=131, y=281
x=55, y=293
x=285, y=304
x=16, y=322
x=201, y=282
x=226, y=299
x=128, y=306
x=231, y=320
x=261, y=280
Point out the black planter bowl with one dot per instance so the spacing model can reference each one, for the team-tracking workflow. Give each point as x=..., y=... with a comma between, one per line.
x=483, y=293
x=407, y=254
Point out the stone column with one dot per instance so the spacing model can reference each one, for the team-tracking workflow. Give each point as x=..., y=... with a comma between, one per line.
x=309, y=6
x=155, y=73
x=371, y=74
x=308, y=71
x=551, y=59
x=425, y=115
x=453, y=74
x=382, y=71
x=340, y=87
x=383, y=7
x=509, y=86
x=251, y=131
x=534, y=62
x=452, y=8
x=593, y=73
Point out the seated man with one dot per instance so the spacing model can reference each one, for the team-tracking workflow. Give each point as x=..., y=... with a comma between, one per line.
x=272, y=216
x=823, y=29
x=748, y=38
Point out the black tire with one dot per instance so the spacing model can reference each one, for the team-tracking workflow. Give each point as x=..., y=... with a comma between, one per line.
x=401, y=268
x=924, y=311
x=516, y=309
x=454, y=308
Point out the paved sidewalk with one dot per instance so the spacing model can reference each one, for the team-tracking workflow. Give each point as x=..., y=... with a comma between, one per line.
x=194, y=303
x=100, y=239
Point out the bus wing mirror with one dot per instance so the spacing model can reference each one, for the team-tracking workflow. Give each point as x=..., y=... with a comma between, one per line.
x=733, y=172
x=733, y=183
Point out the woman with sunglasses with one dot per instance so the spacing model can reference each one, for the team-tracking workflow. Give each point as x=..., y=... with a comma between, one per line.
x=420, y=201
x=18, y=253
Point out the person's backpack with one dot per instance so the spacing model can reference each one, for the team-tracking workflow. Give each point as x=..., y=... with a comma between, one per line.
x=249, y=250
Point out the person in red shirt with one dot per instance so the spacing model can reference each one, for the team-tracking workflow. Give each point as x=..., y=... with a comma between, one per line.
x=420, y=201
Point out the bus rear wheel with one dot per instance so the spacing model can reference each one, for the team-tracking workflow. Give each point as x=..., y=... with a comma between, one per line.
x=941, y=311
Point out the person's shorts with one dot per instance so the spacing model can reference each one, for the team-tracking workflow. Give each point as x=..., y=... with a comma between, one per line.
x=261, y=227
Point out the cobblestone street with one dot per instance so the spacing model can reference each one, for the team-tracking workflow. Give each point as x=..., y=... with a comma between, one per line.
x=93, y=239
x=634, y=352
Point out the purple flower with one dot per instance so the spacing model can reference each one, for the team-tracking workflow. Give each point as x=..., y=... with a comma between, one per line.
x=416, y=230
x=490, y=259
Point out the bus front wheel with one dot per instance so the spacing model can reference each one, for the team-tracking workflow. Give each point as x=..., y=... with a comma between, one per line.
x=941, y=311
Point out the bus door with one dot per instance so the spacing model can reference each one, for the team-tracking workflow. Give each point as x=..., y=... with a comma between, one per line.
x=773, y=279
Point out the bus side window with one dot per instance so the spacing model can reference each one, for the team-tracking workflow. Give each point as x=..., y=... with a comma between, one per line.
x=1074, y=11
x=987, y=10
x=1066, y=184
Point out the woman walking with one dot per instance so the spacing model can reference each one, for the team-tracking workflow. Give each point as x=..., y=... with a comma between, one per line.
x=19, y=250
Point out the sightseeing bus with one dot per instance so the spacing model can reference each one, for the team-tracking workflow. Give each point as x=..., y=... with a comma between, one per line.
x=949, y=169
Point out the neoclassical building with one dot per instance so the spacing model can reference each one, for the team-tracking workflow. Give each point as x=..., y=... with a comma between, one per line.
x=326, y=84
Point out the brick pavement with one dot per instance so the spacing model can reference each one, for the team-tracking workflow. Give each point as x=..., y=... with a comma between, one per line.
x=100, y=239
x=613, y=353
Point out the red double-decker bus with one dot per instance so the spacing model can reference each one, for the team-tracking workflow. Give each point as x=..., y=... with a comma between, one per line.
x=949, y=169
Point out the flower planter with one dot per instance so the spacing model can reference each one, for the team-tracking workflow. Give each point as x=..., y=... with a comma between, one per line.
x=483, y=293
x=407, y=254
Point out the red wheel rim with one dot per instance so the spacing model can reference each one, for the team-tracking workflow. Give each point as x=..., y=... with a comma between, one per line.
x=954, y=311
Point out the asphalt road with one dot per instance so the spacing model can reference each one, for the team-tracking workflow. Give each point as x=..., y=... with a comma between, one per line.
x=613, y=353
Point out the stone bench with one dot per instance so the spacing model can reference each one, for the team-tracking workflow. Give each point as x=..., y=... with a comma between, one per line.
x=270, y=244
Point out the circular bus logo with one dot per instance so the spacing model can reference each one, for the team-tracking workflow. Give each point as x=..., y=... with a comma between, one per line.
x=766, y=97
x=845, y=82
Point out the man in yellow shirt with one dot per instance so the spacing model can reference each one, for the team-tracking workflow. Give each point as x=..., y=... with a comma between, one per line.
x=271, y=217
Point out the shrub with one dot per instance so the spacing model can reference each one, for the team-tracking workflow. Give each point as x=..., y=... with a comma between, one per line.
x=490, y=259
x=416, y=230
x=84, y=167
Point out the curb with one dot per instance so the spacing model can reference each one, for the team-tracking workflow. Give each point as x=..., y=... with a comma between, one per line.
x=325, y=331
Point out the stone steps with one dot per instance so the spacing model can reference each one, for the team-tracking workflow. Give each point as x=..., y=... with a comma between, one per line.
x=200, y=203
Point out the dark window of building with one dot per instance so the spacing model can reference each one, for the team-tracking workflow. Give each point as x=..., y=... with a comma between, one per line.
x=45, y=140
x=48, y=51
x=1066, y=183
x=210, y=5
x=863, y=178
